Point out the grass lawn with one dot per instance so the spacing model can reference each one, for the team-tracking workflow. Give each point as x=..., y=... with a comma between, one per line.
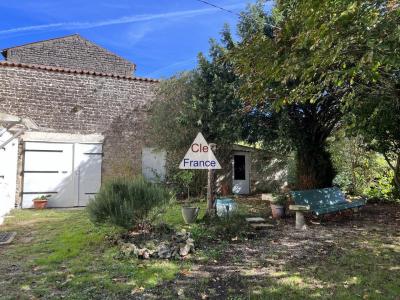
x=60, y=254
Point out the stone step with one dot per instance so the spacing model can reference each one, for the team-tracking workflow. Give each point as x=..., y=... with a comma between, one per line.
x=255, y=220
x=261, y=226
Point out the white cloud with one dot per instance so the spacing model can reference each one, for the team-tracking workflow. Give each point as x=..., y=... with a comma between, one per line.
x=122, y=20
x=172, y=67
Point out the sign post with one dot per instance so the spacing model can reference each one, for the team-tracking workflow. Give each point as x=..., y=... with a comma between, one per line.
x=211, y=188
x=201, y=156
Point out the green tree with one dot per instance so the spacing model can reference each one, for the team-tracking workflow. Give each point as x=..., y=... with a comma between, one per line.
x=202, y=100
x=311, y=71
x=361, y=171
x=376, y=115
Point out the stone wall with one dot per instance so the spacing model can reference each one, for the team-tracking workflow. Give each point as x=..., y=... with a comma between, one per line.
x=72, y=52
x=85, y=104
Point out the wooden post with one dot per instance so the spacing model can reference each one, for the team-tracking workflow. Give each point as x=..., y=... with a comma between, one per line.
x=211, y=188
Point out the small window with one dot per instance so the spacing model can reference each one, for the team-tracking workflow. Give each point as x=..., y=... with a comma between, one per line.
x=239, y=167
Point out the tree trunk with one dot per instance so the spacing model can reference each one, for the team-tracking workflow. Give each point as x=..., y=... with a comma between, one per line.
x=396, y=170
x=314, y=168
x=397, y=174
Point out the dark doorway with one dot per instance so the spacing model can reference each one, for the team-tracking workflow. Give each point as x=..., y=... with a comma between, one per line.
x=239, y=166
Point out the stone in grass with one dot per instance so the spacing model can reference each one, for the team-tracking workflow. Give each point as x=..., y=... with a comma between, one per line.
x=190, y=244
x=164, y=251
x=181, y=236
x=129, y=249
x=184, y=249
x=143, y=253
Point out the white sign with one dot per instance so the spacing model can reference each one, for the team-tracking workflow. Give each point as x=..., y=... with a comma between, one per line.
x=199, y=156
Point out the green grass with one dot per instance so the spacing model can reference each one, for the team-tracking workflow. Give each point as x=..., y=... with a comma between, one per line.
x=173, y=217
x=61, y=253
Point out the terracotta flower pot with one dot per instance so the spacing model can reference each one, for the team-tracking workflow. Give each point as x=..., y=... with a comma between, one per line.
x=278, y=211
x=39, y=203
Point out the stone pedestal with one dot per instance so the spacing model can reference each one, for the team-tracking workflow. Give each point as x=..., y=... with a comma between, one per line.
x=300, y=220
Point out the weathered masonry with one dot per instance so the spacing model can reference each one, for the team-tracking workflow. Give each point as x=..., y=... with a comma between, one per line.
x=91, y=112
x=73, y=52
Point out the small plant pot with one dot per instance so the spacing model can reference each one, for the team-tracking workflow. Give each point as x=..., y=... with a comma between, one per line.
x=40, y=204
x=278, y=211
x=190, y=213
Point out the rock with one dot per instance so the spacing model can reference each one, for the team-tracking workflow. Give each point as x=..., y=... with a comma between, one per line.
x=179, y=246
x=129, y=249
x=164, y=251
x=184, y=250
x=146, y=255
x=181, y=236
x=143, y=253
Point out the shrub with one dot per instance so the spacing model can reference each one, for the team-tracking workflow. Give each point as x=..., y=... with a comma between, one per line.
x=126, y=202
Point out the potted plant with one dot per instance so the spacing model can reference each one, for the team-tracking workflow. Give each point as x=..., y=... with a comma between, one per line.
x=278, y=205
x=189, y=213
x=40, y=202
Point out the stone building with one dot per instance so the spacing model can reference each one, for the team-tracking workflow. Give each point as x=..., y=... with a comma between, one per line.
x=91, y=114
x=87, y=117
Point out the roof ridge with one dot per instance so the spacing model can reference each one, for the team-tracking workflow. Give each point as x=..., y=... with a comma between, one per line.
x=41, y=41
x=4, y=51
x=74, y=71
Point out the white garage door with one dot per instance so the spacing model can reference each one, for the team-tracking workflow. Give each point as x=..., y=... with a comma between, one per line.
x=70, y=173
x=88, y=159
x=8, y=174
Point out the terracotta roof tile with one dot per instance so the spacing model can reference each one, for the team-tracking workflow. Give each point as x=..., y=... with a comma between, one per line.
x=72, y=71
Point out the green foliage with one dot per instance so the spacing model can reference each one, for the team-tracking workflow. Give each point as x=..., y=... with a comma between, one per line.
x=183, y=179
x=280, y=199
x=126, y=202
x=381, y=186
x=231, y=226
x=323, y=60
x=261, y=60
x=361, y=171
x=379, y=122
x=320, y=47
x=202, y=100
x=43, y=197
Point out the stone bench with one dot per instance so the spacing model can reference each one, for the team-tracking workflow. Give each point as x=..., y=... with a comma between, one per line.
x=321, y=201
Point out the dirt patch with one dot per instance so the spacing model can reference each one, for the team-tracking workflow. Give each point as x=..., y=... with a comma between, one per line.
x=246, y=263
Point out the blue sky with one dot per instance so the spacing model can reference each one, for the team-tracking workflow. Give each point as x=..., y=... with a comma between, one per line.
x=161, y=36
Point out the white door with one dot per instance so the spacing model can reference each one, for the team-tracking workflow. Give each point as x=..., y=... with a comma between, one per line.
x=8, y=174
x=69, y=173
x=88, y=158
x=153, y=164
x=241, y=173
x=48, y=170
